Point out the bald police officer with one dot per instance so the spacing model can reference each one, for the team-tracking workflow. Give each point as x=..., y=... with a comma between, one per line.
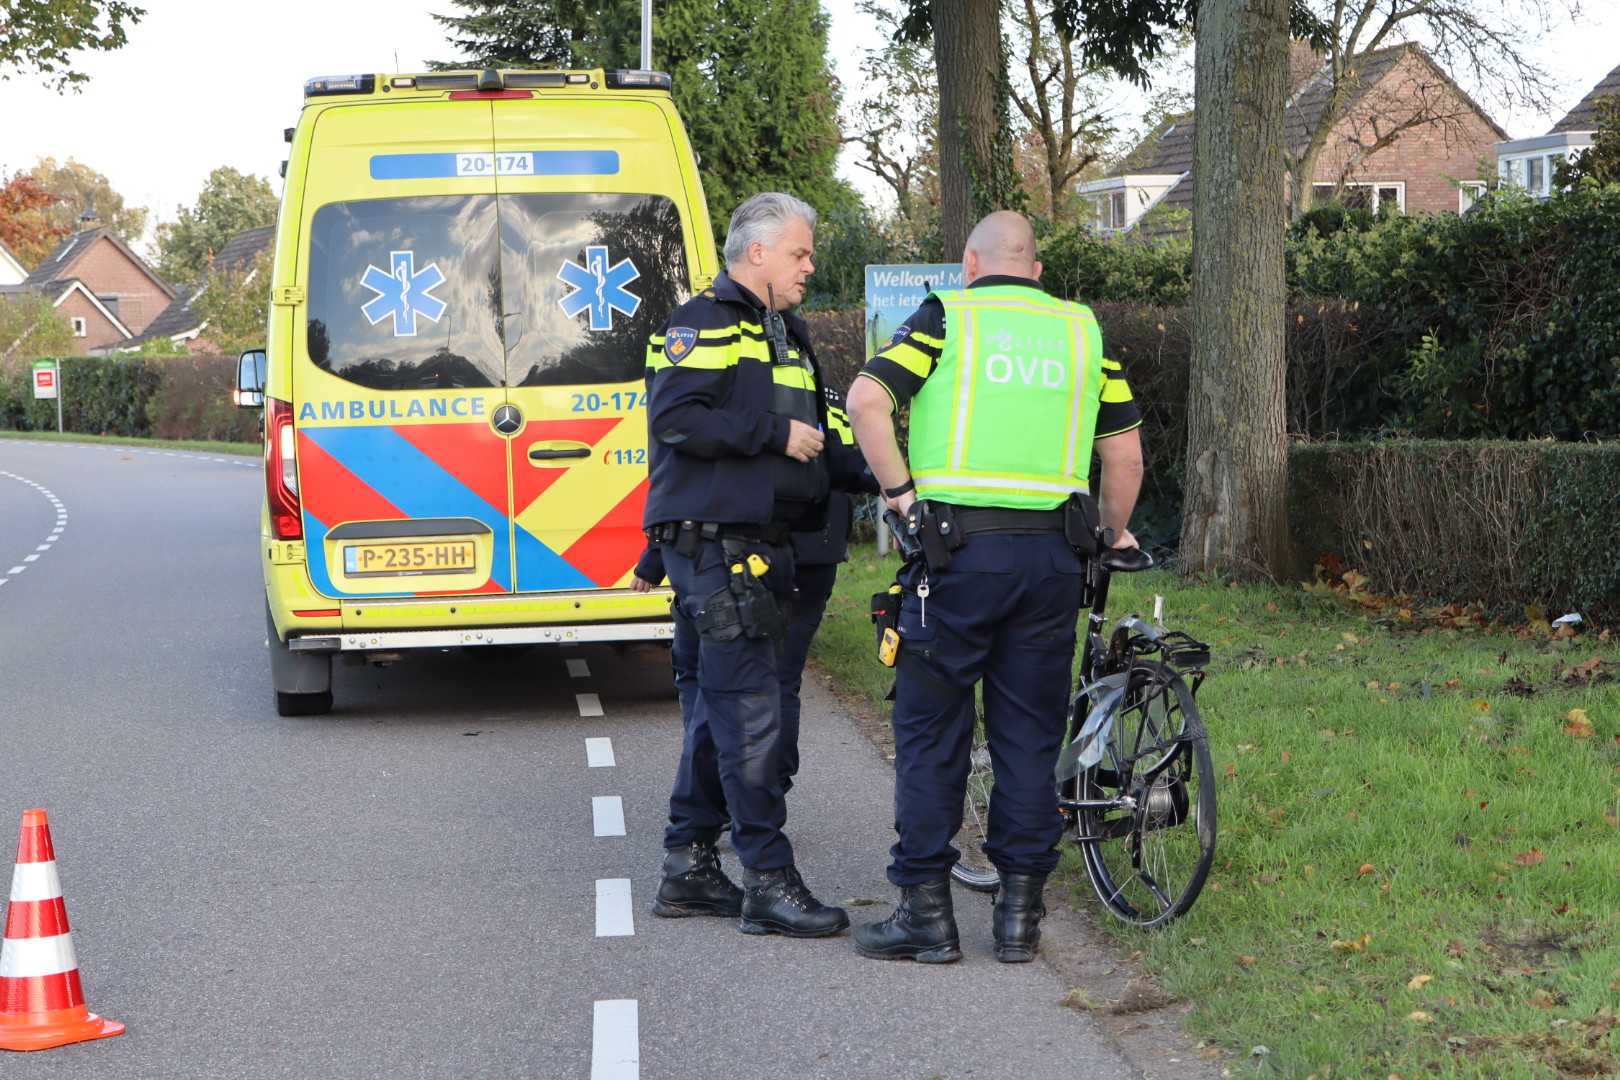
x=1010, y=394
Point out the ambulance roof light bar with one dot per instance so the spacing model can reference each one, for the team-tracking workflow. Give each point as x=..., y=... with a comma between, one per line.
x=328, y=85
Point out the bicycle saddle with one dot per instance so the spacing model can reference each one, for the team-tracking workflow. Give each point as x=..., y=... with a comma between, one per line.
x=1125, y=560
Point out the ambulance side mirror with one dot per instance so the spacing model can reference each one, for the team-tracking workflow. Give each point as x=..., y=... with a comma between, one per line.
x=249, y=393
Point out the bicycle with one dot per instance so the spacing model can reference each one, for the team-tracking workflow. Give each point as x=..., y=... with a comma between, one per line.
x=1134, y=780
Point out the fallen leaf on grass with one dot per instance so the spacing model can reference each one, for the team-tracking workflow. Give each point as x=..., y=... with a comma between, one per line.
x=1310, y=872
x=1242, y=959
x=1418, y=982
x=1419, y=1015
x=1481, y=705
x=1611, y=818
x=1529, y=858
x=1366, y=868
x=1358, y=944
x=1543, y=999
x=1351, y=638
x=1457, y=948
x=1577, y=724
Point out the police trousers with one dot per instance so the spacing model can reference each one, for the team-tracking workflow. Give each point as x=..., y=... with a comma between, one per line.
x=732, y=715
x=1004, y=613
x=812, y=586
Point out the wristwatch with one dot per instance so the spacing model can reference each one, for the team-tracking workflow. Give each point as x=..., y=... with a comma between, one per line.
x=896, y=492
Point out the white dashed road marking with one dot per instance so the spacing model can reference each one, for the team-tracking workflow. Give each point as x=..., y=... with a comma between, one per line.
x=616, y=1041
x=578, y=669
x=613, y=916
x=589, y=704
x=56, y=534
x=607, y=813
x=599, y=753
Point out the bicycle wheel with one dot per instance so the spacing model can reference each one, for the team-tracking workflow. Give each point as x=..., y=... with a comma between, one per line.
x=1148, y=861
x=973, y=870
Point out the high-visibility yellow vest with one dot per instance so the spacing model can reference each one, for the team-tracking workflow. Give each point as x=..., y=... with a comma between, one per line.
x=1008, y=416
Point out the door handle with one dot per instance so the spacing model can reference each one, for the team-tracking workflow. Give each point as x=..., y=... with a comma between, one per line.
x=546, y=454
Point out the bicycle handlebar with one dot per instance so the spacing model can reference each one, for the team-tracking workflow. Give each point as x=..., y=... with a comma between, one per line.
x=1125, y=560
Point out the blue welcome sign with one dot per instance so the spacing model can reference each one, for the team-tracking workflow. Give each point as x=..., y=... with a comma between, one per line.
x=894, y=291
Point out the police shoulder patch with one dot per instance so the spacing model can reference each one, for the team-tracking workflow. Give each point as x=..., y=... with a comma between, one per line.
x=678, y=341
x=899, y=335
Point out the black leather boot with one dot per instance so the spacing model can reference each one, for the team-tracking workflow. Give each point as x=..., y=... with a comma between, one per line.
x=1015, y=920
x=694, y=884
x=777, y=902
x=921, y=927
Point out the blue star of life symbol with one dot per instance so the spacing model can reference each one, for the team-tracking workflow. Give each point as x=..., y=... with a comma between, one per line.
x=599, y=287
x=405, y=293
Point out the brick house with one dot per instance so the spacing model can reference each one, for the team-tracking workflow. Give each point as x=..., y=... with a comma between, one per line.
x=106, y=292
x=1529, y=163
x=182, y=325
x=1409, y=137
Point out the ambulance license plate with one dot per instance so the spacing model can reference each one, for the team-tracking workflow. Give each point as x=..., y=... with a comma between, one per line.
x=408, y=560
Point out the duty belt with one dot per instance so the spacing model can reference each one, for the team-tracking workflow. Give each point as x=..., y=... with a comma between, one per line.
x=775, y=532
x=975, y=519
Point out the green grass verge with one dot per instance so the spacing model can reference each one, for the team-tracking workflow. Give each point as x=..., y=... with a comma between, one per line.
x=203, y=445
x=1418, y=865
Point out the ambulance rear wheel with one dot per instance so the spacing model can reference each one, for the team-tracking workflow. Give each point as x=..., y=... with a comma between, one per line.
x=302, y=680
x=303, y=704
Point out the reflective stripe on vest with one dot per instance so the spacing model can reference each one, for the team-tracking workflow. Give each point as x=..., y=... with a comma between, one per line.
x=1008, y=416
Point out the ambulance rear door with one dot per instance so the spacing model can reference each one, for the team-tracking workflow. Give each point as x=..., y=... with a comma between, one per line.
x=403, y=476
x=594, y=228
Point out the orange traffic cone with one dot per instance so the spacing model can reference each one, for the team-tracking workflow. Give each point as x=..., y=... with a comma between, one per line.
x=41, y=1003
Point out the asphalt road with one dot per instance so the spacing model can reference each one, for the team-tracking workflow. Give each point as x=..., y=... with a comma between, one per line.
x=409, y=887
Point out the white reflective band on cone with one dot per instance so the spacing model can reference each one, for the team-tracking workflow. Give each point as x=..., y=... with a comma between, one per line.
x=35, y=881
x=30, y=958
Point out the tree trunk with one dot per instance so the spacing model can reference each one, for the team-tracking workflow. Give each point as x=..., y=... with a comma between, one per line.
x=1235, y=515
x=967, y=57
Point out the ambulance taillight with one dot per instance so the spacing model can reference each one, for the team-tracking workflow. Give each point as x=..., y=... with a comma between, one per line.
x=281, y=471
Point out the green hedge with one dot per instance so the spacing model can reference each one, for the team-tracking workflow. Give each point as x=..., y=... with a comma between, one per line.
x=1334, y=381
x=1508, y=524
x=163, y=397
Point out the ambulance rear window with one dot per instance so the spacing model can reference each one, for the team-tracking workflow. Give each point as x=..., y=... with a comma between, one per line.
x=587, y=280
x=405, y=293
x=480, y=291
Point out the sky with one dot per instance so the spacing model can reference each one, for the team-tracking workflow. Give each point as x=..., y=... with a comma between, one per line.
x=196, y=88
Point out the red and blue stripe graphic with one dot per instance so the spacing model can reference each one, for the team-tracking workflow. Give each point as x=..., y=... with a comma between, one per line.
x=398, y=473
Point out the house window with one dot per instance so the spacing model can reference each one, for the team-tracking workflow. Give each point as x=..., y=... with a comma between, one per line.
x=80, y=327
x=1535, y=175
x=1118, y=217
x=1364, y=196
x=1512, y=173
x=1111, y=214
x=1469, y=192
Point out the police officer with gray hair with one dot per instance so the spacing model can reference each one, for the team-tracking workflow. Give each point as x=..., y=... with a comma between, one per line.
x=736, y=419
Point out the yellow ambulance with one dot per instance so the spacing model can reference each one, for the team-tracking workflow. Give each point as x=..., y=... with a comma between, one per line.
x=468, y=265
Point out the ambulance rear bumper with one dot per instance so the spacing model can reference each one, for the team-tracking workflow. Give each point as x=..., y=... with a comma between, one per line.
x=497, y=635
